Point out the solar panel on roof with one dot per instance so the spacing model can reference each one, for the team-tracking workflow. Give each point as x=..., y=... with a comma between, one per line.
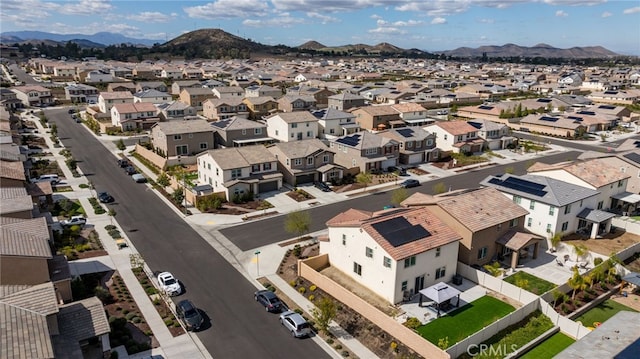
x=589, y=113
x=352, y=140
x=483, y=107
x=221, y=124
x=520, y=185
x=611, y=92
x=545, y=100
x=476, y=125
x=549, y=119
x=575, y=118
x=607, y=107
x=405, y=132
x=398, y=231
x=635, y=157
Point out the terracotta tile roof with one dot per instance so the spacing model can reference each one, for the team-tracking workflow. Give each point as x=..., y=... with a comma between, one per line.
x=482, y=208
x=437, y=232
x=349, y=218
x=14, y=199
x=540, y=166
x=517, y=240
x=596, y=172
x=135, y=107
x=294, y=117
x=116, y=95
x=408, y=107
x=24, y=237
x=456, y=127
x=240, y=157
x=419, y=199
x=12, y=170
x=378, y=110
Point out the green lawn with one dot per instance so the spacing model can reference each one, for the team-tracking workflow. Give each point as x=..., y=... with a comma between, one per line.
x=550, y=347
x=533, y=284
x=466, y=320
x=601, y=313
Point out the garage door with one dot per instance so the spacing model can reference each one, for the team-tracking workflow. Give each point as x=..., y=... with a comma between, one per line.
x=268, y=186
x=304, y=178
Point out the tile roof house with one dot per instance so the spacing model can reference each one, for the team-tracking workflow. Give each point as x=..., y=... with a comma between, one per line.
x=151, y=96
x=563, y=126
x=79, y=322
x=344, y=101
x=294, y=102
x=416, y=145
x=196, y=96
x=365, y=152
x=178, y=86
x=394, y=253
x=292, y=126
x=106, y=100
x=222, y=108
x=80, y=93
x=333, y=123
x=175, y=110
x=497, y=136
x=238, y=171
x=152, y=85
x=260, y=106
x=305, y=161
x=238, y=132
x=376, y=117
x=16, y=202
x=456, y=136
x=182, y=138
x=24, y=250
x=131, y=116
x=33, y=95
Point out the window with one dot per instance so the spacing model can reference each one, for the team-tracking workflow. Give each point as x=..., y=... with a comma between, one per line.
x=309, y=133
x=438, y=252
x=620, y=183
x=370, y=151
x=236, y=172
x=409, y=144
x=532, y=204
x=244, y=131
x=529, y=222
x=266, y=166
x=419, y=144
x=255, y=168
x=344, y=239
x=357, y=269
x=203, y=146
x=310, y=160
x=182, y=150
x=409, y=262
x=297, y=162
x=549, y=228
x=517, y=199
x=386, y=261
x=440, y=272
x=294, y=125
x=191, y=135
x=325, y=158
x=177, y=137
x=277, y=132
x=257, y=131
x=403, y=287
x=567, y=209
x=217, y=171
x=368, y=252
x=429, y=142
x=209, y=166
x=600, y=204
x=482, y=252
x=552, y=210
x=513, y=222
x=565, y=225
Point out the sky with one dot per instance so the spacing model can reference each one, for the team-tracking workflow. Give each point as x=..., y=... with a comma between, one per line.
x=431, y=25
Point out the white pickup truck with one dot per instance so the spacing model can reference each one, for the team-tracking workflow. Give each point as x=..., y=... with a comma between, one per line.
x=74, y=221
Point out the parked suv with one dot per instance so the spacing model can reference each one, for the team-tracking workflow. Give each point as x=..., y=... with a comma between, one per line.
x=53, y=178
x=269, y=300
x=295, y=323
x=74, y=221
x=123, y=163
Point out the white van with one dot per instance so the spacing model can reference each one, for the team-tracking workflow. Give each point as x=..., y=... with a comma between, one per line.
x=47, y=178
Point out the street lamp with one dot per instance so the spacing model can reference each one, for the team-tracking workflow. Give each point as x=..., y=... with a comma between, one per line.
x=257, y=253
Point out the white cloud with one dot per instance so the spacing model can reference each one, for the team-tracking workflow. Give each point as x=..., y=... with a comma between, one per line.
x=606, y=14
x=632, y=10
x=86, y=7
x=575, y=2
x=438, y=21
x=277, y=21
x=228, y=9
x=151, y=16
x=561, y=13
x=387, y=31
x=486, y=21
x=331, y=6
x=324, y=19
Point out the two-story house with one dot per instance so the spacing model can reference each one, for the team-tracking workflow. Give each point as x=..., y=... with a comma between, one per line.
x=132, y=116
x=292, y=102
x=106, y=100
x=196, y=96
x=121, y=86
x=333, y=123
x=262, y=91
x=292, y=126
x=152, y=85
x=456, y=137
x=497, y=136
x=151, y=96
x=305, y=161
x=365, y=152
x=416, y=145
x=228, y=91
x=238, y=132
x=182, y=138
x=375, y=117
x=217, y=109
x=553, y=205
x=33, y=95
x=236, y=171
x=320, y=95
x=393, y=253
x=175, y=110
x=178, y=86
x=260, y=106
x=77, y=93
x=344, y=101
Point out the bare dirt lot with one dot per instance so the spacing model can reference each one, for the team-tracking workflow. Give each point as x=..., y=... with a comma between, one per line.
x=610, y=243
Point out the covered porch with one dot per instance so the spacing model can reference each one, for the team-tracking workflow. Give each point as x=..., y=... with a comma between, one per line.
x=594, y=222
x=441, y=295
x=520, y=245
x=625, y=203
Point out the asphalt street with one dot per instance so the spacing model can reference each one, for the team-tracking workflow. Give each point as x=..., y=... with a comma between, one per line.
x=240, y=328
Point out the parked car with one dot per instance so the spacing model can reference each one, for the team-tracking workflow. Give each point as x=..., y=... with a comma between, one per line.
x=130, y=170
x=123, y=163
x=105, y=197
x=74, y=221
x=401, y=171
x=169, y=284
x=269, y=300
x=410, y=183
x=295, y=323
x=322, y=186
x=189, y=315
x=70, y=111
x=139, y=178
x=52, y=178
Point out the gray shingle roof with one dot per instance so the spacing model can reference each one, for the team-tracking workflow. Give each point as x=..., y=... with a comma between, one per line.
x=239, y=157
x=181, y=127
x=294, y=117
x=302, y=148
x=235, y=123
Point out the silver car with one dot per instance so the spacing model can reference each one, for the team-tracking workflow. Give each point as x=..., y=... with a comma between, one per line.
x=295, y=323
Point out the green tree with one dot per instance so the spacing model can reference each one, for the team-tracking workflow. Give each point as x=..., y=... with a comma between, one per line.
x=443, y=343
x=178, y=195
x=398, y=195
x=580, y=250
x=576, y=282
x=111, y=213
x=163, y=180
x=555, y=239
x=120, y=145
x=364, y=178
x=297, y=222
x=324, y=312
x=495, y=269
x=558, y=296
x=439, y=187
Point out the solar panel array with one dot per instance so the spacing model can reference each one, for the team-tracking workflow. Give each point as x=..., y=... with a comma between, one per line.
x=221, y=124
x=352, y=140
x=484, y=107
x=398, y=231
x=633, y=156
x=549, y=119
x=611, y=92
x=405, y=132
x=589, y=113
x=607, y=107
x=576, y=118
x=476, y=125
x=521, y=185
x=545, y=100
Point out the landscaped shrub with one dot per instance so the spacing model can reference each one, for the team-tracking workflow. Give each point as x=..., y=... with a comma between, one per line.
x=302, y=290
x=103, y=294
x=168, y=322
x=292, y=283
x=329, y=341
x=311, y=297
x=151, y=290
x=298, y=310
x=130, y=316
x=597, y=261
x=412, y=323
x=297, y=250
x=312, y=288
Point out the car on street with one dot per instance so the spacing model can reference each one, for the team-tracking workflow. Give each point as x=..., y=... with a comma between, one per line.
x=139, y=178
x=70, y=111
x=105, y=197
x=169, y=284
x=322, y=186
x=269, y=300
x=401, y=171
x=295, y=323
x=189, y=315
x=410, y=183
x=74, y=221
x=123, y=163
x=130, y=170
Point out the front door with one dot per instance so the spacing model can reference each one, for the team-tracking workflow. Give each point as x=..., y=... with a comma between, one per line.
x=419, y=284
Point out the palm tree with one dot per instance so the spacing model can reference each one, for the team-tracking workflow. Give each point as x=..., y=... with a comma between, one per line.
x=580, y=250
x=576, y=282
x=555, y=240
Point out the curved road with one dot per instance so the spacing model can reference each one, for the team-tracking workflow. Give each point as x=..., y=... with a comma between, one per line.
x=240, y=327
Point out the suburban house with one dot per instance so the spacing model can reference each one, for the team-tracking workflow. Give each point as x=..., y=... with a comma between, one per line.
x=344, y=101
x=132, y=116
x=614, y=97
x=416, y=145
x=497, y=136
x=152, y=85
x=562, y=126
x=175, y=110
x=394, y=253
x=456, y=136
x=151, y=96
x=237, y=171
x=81, y=93
x=291, y=103
x=196, y=96
x=228, y=91
x=365, y=152
x=305, y=161
x=24, y=255
x=333, y=123
x=106, y=100
x=171, y=73
x=292, y=126
x=320, y=95
x=491, y=225
x=238, y=132
x=9, y=99
x=376, y=117
x=222, y=108
x=262, y=91
x=97, y=76
x=412, y=114
x=182, y=138
x=33, y=95
x=178, y=86
x=260, y=106
x=553, y=205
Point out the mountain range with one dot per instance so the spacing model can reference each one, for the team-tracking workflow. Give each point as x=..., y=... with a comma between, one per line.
x=200, y=41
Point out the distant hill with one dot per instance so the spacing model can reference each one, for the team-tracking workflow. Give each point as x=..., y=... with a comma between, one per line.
x=212, y=43
x=312, y=45
x=539, y=50
x=104, y=38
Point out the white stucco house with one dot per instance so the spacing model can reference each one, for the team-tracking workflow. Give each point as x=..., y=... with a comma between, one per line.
x=292, y=126
x=456, y=136
x=394, y=253
x=106, y=100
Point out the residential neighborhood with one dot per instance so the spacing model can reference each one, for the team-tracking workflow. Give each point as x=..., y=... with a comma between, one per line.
x=408, y=201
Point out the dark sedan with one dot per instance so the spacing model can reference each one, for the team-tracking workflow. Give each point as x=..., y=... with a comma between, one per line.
x=322, y=186
x=105, y=197
x=410, y=183
x=189, y=315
